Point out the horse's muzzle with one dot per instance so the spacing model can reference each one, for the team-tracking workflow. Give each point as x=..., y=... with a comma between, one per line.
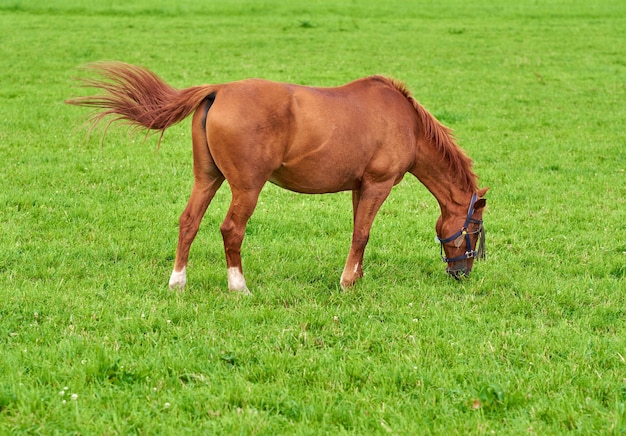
x=459, y=273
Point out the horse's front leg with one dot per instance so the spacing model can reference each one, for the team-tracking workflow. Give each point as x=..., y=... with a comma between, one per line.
x=233, y=230
x=366, y=202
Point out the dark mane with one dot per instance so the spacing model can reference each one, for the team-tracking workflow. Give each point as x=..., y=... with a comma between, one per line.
x=443, y=139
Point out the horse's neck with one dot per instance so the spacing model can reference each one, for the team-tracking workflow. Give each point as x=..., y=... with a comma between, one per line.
x=435, y=173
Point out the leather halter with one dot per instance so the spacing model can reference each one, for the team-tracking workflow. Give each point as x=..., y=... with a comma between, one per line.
x=479, y=253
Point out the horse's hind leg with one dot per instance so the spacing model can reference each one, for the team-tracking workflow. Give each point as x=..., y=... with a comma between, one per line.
x=203, y=191
x=233, y=230
x=207, y=180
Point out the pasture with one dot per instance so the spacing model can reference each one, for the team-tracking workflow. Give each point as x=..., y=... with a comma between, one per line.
x=92, y=341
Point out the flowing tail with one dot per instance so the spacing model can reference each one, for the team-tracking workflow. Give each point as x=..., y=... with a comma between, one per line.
x=138, y=97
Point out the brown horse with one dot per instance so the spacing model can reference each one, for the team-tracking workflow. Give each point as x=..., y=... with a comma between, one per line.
x=361, y=137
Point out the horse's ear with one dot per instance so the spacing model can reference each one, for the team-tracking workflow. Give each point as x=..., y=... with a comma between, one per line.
x=480, y=203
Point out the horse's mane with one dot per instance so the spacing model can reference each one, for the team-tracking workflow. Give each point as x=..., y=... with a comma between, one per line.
x=443, y=139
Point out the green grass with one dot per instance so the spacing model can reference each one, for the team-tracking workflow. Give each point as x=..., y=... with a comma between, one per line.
x=534, y=342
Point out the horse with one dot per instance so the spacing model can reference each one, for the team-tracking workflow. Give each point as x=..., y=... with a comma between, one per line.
x=363, y=137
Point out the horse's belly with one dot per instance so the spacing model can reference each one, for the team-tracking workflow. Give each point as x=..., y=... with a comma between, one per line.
x=314, y=180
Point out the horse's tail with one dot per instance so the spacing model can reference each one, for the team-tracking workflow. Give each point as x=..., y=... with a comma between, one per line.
x=138, y=97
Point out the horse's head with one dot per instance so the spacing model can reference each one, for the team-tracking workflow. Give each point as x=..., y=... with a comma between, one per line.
x=462, y=238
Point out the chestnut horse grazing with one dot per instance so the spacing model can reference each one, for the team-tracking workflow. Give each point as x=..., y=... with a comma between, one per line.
x=361, y=137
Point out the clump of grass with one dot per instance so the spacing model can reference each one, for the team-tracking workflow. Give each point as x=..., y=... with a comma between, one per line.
x=306, y=24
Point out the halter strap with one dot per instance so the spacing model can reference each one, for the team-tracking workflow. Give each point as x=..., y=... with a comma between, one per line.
x=469, y=253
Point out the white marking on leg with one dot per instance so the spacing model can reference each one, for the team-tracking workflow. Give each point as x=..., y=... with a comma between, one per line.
x=356, y=267
x=343, y=282
x=178, y=279
x=236, y=281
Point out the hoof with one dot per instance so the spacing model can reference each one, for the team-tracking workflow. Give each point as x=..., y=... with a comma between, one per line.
x=349, y=279
x=346, y=284
x=244, y=291
x=178, y=279
x=236, y=282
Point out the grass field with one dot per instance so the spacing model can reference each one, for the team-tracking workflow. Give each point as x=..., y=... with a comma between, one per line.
x=92, y=341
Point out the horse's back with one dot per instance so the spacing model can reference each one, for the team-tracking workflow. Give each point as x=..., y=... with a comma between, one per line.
x=311, y=139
